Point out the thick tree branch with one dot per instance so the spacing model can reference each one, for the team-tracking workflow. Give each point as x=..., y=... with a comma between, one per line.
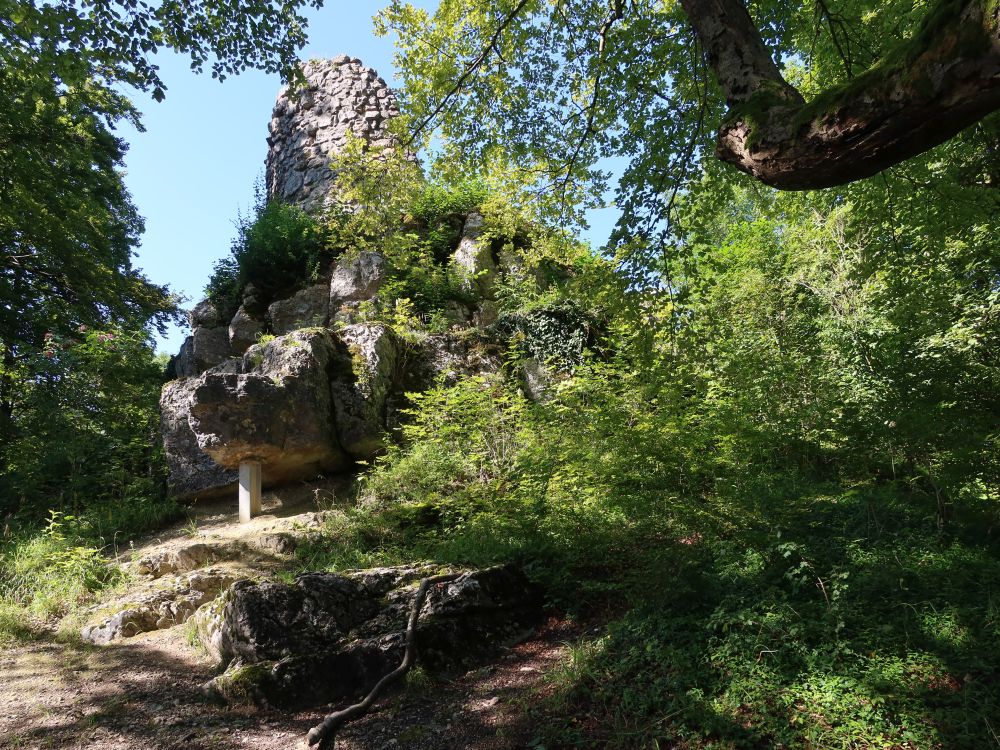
x=742, y=63
x=924, y=92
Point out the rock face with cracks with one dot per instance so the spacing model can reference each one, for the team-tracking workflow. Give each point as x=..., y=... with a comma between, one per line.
x=326, y=390
x=308, y=402
x=328, y=637
x=192, y=472
x=255, y=412
x=360, y=397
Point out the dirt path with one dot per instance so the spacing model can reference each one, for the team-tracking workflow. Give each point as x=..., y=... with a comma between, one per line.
x=145, y=691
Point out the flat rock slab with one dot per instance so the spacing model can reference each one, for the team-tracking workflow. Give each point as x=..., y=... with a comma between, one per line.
x=170, y=605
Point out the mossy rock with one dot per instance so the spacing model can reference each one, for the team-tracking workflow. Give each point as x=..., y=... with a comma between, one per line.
x=241, y=685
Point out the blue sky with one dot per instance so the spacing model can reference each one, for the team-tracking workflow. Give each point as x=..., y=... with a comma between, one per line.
x=194, y=168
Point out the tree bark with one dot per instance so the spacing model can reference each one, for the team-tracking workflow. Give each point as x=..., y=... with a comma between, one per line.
x=926, y=90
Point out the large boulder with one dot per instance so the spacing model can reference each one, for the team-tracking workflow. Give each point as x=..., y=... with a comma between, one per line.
x=192, y=473
x=275, y=408
x=360, y=386
x=474, y=258
x=307, y=308
x=355, y=279
x=209, y=347
x=204, y=314
x=182, y=364
x=301, y=404
x=206, y=347
x=244, y=331
x=328, y=637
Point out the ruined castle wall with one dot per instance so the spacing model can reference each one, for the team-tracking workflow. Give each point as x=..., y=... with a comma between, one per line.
x=341, y=96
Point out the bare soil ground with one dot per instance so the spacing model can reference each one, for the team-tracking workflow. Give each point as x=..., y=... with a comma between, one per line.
x=145, y=691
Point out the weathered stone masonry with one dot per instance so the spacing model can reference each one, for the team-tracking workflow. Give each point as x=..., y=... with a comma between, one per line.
x=306, y=131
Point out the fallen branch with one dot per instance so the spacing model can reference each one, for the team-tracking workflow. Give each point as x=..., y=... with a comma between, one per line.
x=325, y=733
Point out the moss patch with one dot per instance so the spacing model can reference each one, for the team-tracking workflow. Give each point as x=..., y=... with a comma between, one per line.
x=242, y=685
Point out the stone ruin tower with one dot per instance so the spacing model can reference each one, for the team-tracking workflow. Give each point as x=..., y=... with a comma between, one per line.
x=311, y=126
x=319, y=392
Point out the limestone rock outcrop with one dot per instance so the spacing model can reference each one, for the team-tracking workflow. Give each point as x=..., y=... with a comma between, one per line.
x=308, y=402
x=311, y=125
x=192, y=472
x=324, y=392
x=275, y=407
x=328, y=636
x=244, y=331
x=169, y=606
x=355, y=279
x=360, y=402
x=307, y=308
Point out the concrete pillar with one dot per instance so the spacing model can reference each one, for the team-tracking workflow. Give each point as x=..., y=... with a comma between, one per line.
x=249, y=490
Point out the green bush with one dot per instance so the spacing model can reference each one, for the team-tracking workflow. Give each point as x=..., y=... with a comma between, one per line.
x=44, y=574
x=556, y=333
x=279, y=249
x=87, y=428
x=441, y=212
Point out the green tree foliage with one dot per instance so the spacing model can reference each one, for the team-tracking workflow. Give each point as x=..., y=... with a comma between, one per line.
x=67, y=225
x=783, y=466
x=277, y=251
x=87, y=425
x=110, y=42
x=569, y=92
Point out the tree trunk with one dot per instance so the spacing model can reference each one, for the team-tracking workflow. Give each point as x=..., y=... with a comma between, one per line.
x=922, y=93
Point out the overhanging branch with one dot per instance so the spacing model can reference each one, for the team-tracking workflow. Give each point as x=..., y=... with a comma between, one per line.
x=925, y=91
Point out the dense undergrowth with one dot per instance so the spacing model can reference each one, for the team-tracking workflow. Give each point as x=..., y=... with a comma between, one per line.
x=767, y=463
x=777, y=611
x=53, y=569
x=774, y=477
x=82, y=474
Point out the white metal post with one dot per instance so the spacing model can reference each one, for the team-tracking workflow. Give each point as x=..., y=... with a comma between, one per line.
x=249, y=490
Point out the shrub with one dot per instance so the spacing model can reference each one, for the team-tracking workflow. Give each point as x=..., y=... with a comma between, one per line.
x=557, y=333
x=441, y=211
x=44, y=575
x=279, y=249
x=87, y=426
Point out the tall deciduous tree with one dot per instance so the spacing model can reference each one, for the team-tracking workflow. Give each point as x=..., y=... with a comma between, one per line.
x=798, y=95
x=68, y=228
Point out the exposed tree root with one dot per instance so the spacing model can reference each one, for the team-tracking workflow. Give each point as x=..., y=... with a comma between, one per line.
x=325, y=733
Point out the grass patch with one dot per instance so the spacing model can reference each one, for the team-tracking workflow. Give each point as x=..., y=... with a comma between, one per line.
x=50, y=572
